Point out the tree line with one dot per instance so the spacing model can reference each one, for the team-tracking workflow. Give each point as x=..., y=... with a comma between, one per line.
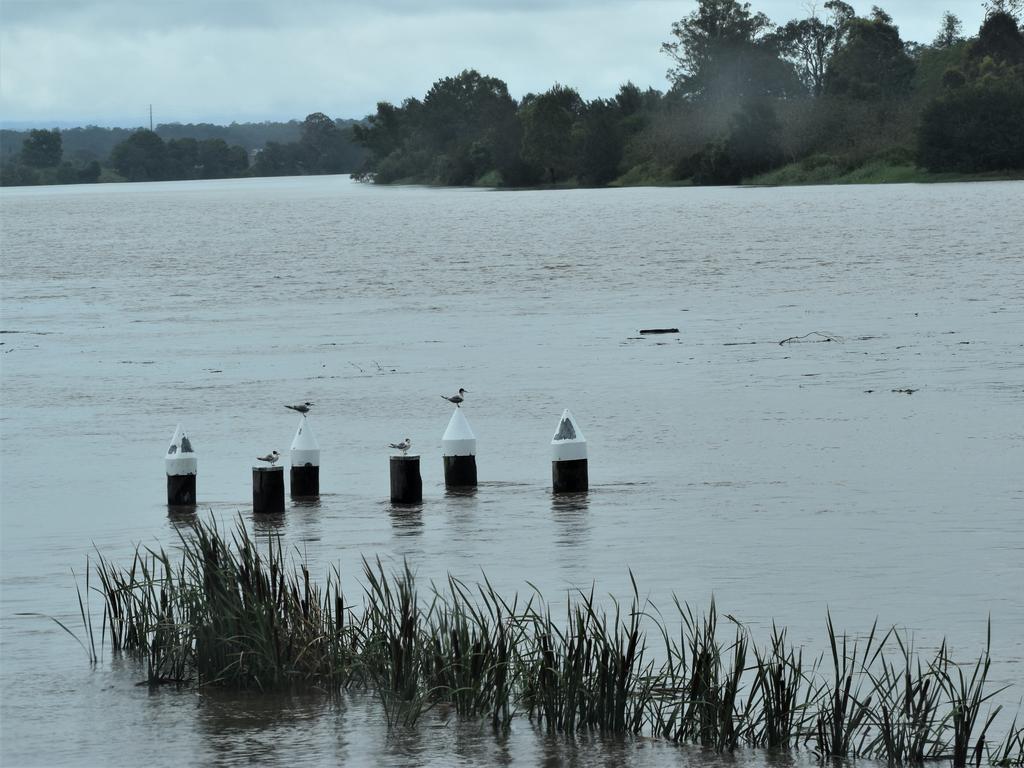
x=315, y=145
x=815, y=98
x=826, y=94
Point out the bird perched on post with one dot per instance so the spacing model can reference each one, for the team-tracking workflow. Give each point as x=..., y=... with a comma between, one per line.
x=271, y=458
x=458, y=399
x=302, y=408
x=403, y=446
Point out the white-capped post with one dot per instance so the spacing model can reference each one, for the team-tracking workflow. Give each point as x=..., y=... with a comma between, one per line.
x=181, y=465
x=458, y=449
x=305, y=458
x=569, y=457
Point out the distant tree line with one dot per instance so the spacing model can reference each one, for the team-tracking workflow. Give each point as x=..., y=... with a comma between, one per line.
x=835, y=92
x=316, y=145
x=828, y=95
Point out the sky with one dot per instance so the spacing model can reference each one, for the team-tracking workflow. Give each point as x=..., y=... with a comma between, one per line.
x=104, y=62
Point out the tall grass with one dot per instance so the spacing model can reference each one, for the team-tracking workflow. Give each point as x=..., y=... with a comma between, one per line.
x=233, y=614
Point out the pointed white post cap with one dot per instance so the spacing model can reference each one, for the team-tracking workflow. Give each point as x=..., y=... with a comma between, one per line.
x=568, y=443
x=305, y=451
x=459, y=439
x=181, y=458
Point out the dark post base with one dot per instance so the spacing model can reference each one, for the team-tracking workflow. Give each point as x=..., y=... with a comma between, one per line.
x=267, y=490
x=569, y=476
x=181, y=490
x=460, y=471
x=406, y=484
x=305, y=481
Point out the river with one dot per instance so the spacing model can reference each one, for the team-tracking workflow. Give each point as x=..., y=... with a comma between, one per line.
x=785, y=479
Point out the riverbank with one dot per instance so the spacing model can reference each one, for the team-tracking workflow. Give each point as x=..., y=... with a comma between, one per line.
x=809, y=173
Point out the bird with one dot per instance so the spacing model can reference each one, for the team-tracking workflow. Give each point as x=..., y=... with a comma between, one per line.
x=271, y=458
x=403, y=446
x=302, y=408
x=457, y=399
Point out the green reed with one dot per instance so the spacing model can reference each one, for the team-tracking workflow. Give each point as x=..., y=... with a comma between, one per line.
x=783, y=694
x=229, y=612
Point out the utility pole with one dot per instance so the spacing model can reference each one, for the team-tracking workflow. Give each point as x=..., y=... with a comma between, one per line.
x=151, y=117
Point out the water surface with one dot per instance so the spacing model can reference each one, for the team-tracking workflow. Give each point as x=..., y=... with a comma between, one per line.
x=784, y=479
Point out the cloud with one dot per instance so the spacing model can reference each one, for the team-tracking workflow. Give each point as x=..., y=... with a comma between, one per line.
x=221, y=60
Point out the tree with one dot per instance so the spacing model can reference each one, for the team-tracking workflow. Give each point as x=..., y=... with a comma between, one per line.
x=976, y=127
x=383, y=132
x=277, y=159
x=319, y=142
x=949, y=32
x=976, y=124
x=216, y=160
x=723, y=52
x=1010, y=7
x=181, y=159
x=999, y=41
x=470, y=120
x=601, y=142
x=751, y=147
x=872, y=64
x=549, y=141
x=90, y=174
x=141, y=157
x=42, y=149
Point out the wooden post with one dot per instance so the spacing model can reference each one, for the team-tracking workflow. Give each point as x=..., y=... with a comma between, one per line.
x=569, y=473
x=458, y=447
x=181, y=465
x=406, y=483
x=268, y=490
x=305, y=459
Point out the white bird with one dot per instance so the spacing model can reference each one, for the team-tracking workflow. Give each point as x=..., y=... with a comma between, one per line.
x=403, y=446
x=302, y=408
x=458, y=399
x=271, y=458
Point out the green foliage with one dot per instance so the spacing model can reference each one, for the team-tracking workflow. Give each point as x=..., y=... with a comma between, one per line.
x=998, y=50
x=277, y=159
x=601, y=143
x=722, y=51
x=550, y=141
x=751, y=147
x=465, y=128
x=974, y=128
x=872, y=64
x=324, y=147
x=949, y=32
x=811, y=43
x=470, y=119
x=42, y=149
x=144, y=156
x=141, y=157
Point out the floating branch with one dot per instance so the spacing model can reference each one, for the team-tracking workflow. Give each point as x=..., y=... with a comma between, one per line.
x=824, y=337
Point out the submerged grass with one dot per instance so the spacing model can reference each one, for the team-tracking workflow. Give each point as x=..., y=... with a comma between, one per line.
x=228, y=613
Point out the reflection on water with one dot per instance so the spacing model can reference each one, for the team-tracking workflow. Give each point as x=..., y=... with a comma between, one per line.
x=406, y=519
x=268, y=523
x=457, y=493
x=570, y=511
x=181, y=518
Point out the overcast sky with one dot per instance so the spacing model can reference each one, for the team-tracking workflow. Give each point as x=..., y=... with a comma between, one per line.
x=105, y=61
